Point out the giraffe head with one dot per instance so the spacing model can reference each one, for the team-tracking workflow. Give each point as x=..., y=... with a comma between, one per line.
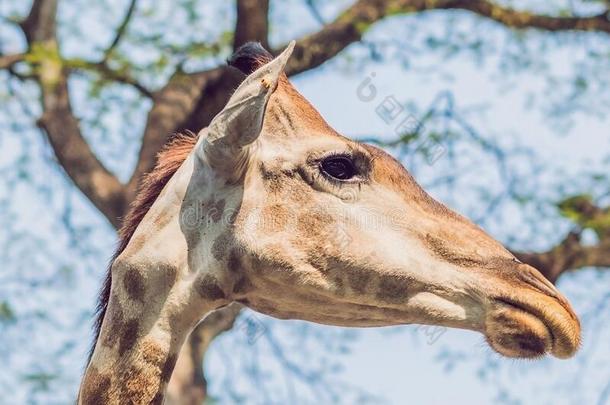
x=304, y=223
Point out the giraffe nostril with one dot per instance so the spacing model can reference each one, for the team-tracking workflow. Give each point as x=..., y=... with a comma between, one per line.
x=536, y=280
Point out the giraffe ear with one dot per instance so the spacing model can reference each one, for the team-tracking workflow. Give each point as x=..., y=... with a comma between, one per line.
x=238, y=125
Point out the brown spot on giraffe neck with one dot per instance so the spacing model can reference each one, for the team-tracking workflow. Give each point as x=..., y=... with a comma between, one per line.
x=221, y=244
x=234, y=264
x=96, y=390
x=257, y=264
x=334, y=274
x=358, y=281
x=242, y=286
x=158, y=399
x=129, y=336
x=168, y=367
x=272, y=260
x=133, y=282
x=208, y=288
x=168, y=274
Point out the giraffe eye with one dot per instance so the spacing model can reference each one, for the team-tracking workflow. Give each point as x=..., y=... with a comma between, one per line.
x=338, y=167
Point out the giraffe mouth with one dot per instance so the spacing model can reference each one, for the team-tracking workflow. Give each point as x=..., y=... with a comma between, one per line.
x=532, y=328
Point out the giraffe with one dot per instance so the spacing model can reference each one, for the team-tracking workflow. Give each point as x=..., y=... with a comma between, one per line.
x=270, y=207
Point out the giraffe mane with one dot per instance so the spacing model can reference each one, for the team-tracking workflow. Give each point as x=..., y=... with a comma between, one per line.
x=169, y=159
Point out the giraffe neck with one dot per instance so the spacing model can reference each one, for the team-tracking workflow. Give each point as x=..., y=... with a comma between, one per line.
x=136, y=352
x=141, y=335
x=156, y=298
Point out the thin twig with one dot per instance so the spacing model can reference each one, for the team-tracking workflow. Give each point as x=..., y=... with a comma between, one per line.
x=120, y=30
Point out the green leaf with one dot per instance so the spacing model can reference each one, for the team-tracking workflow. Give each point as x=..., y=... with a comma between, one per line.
x=574, y=208
x=40, y=380
x=6, y=312
x=569, y=208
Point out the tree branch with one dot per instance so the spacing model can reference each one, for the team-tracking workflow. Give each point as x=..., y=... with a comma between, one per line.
x=108, y=73
x=252, y=22
x=569, y=255
x=315, y=49
x=7, y=61
x=524, y=19
x=100, y=186
x=315, y=13
x=102, y=67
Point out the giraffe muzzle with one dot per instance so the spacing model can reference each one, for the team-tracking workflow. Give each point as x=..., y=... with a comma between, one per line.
x=532, y=321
